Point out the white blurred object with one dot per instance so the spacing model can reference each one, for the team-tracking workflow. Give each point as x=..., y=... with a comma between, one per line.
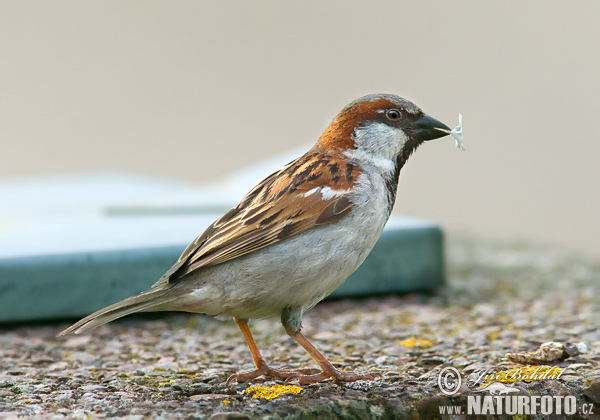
x=458, y=134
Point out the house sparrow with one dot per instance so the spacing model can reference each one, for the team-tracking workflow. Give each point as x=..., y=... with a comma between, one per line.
x=297, y=235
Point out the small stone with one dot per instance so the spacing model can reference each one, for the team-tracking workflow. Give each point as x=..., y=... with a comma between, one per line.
x=81, y=357
x=58, y=366
x=208, y=396
x=77, y=341
x=434, y=360
x=593, y=392
x=383, y=360
x=93, y=388
x=201, y=388
x=474, y=366
x=229, y=416
x=459, y=361
x=555, y=388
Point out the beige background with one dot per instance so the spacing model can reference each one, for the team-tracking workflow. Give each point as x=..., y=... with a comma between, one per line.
x=193, y=90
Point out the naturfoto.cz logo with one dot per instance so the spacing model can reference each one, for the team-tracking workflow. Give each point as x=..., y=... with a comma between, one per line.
x=500, y=399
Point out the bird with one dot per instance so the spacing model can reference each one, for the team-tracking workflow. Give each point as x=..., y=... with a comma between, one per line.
x=295, y=237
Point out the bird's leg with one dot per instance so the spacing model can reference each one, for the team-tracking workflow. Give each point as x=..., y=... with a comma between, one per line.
x=292, y=324
x=261, y=366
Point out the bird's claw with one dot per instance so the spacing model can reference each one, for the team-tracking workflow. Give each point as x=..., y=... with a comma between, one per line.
x=271, y=373
x=336, y=375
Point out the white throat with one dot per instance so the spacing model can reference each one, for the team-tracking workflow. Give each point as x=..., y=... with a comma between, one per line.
x=378, y=144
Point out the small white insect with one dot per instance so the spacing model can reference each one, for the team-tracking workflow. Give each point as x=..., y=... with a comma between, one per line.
x=458, y=134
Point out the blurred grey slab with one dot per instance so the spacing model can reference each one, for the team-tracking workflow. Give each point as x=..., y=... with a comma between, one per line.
x=71, y=245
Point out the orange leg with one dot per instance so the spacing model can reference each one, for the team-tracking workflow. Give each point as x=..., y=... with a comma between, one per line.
x=256, y=356
x=262, y=369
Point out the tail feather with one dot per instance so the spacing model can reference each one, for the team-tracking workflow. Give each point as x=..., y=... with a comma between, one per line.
x=151, y=300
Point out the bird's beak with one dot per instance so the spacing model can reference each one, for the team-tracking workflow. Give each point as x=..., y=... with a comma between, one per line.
x=428, y=128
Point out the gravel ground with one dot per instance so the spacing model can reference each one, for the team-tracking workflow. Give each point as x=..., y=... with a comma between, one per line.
x=500, y=298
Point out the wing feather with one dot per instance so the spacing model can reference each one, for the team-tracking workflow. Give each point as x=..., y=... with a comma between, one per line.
x=288, y=202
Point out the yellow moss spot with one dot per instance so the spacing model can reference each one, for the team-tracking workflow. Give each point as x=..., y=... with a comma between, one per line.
x=191, y=322
x=225, y=402
x=525, y=374
x=160, y=395
x=270, y=392
x=493, y=335
x=166, y=383
x=412, y=342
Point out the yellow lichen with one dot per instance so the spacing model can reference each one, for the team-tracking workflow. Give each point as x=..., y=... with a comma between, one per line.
x=493, y=336
x=270, y=392
x=225, y=402
x=411, y=342
x=166, y=383
x=191, y=322
x=525, y=374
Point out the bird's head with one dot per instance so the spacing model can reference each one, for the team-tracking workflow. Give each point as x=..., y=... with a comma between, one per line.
x=381, y=127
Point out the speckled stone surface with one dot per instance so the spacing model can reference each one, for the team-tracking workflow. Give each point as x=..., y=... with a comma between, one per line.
x=500, y=298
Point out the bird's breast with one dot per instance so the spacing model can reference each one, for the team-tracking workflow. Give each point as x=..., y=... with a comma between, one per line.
x=299, y=271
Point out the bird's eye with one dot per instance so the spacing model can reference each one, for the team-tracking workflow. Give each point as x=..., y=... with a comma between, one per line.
x=393, y=114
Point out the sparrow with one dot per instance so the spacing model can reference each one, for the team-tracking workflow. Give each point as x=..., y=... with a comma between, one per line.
x=296, y=236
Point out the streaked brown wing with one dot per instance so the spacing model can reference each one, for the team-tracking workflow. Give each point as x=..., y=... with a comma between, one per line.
x=285, y=204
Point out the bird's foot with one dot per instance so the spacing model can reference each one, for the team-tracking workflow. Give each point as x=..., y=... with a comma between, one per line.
x=331, y=373
x=271, y=373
